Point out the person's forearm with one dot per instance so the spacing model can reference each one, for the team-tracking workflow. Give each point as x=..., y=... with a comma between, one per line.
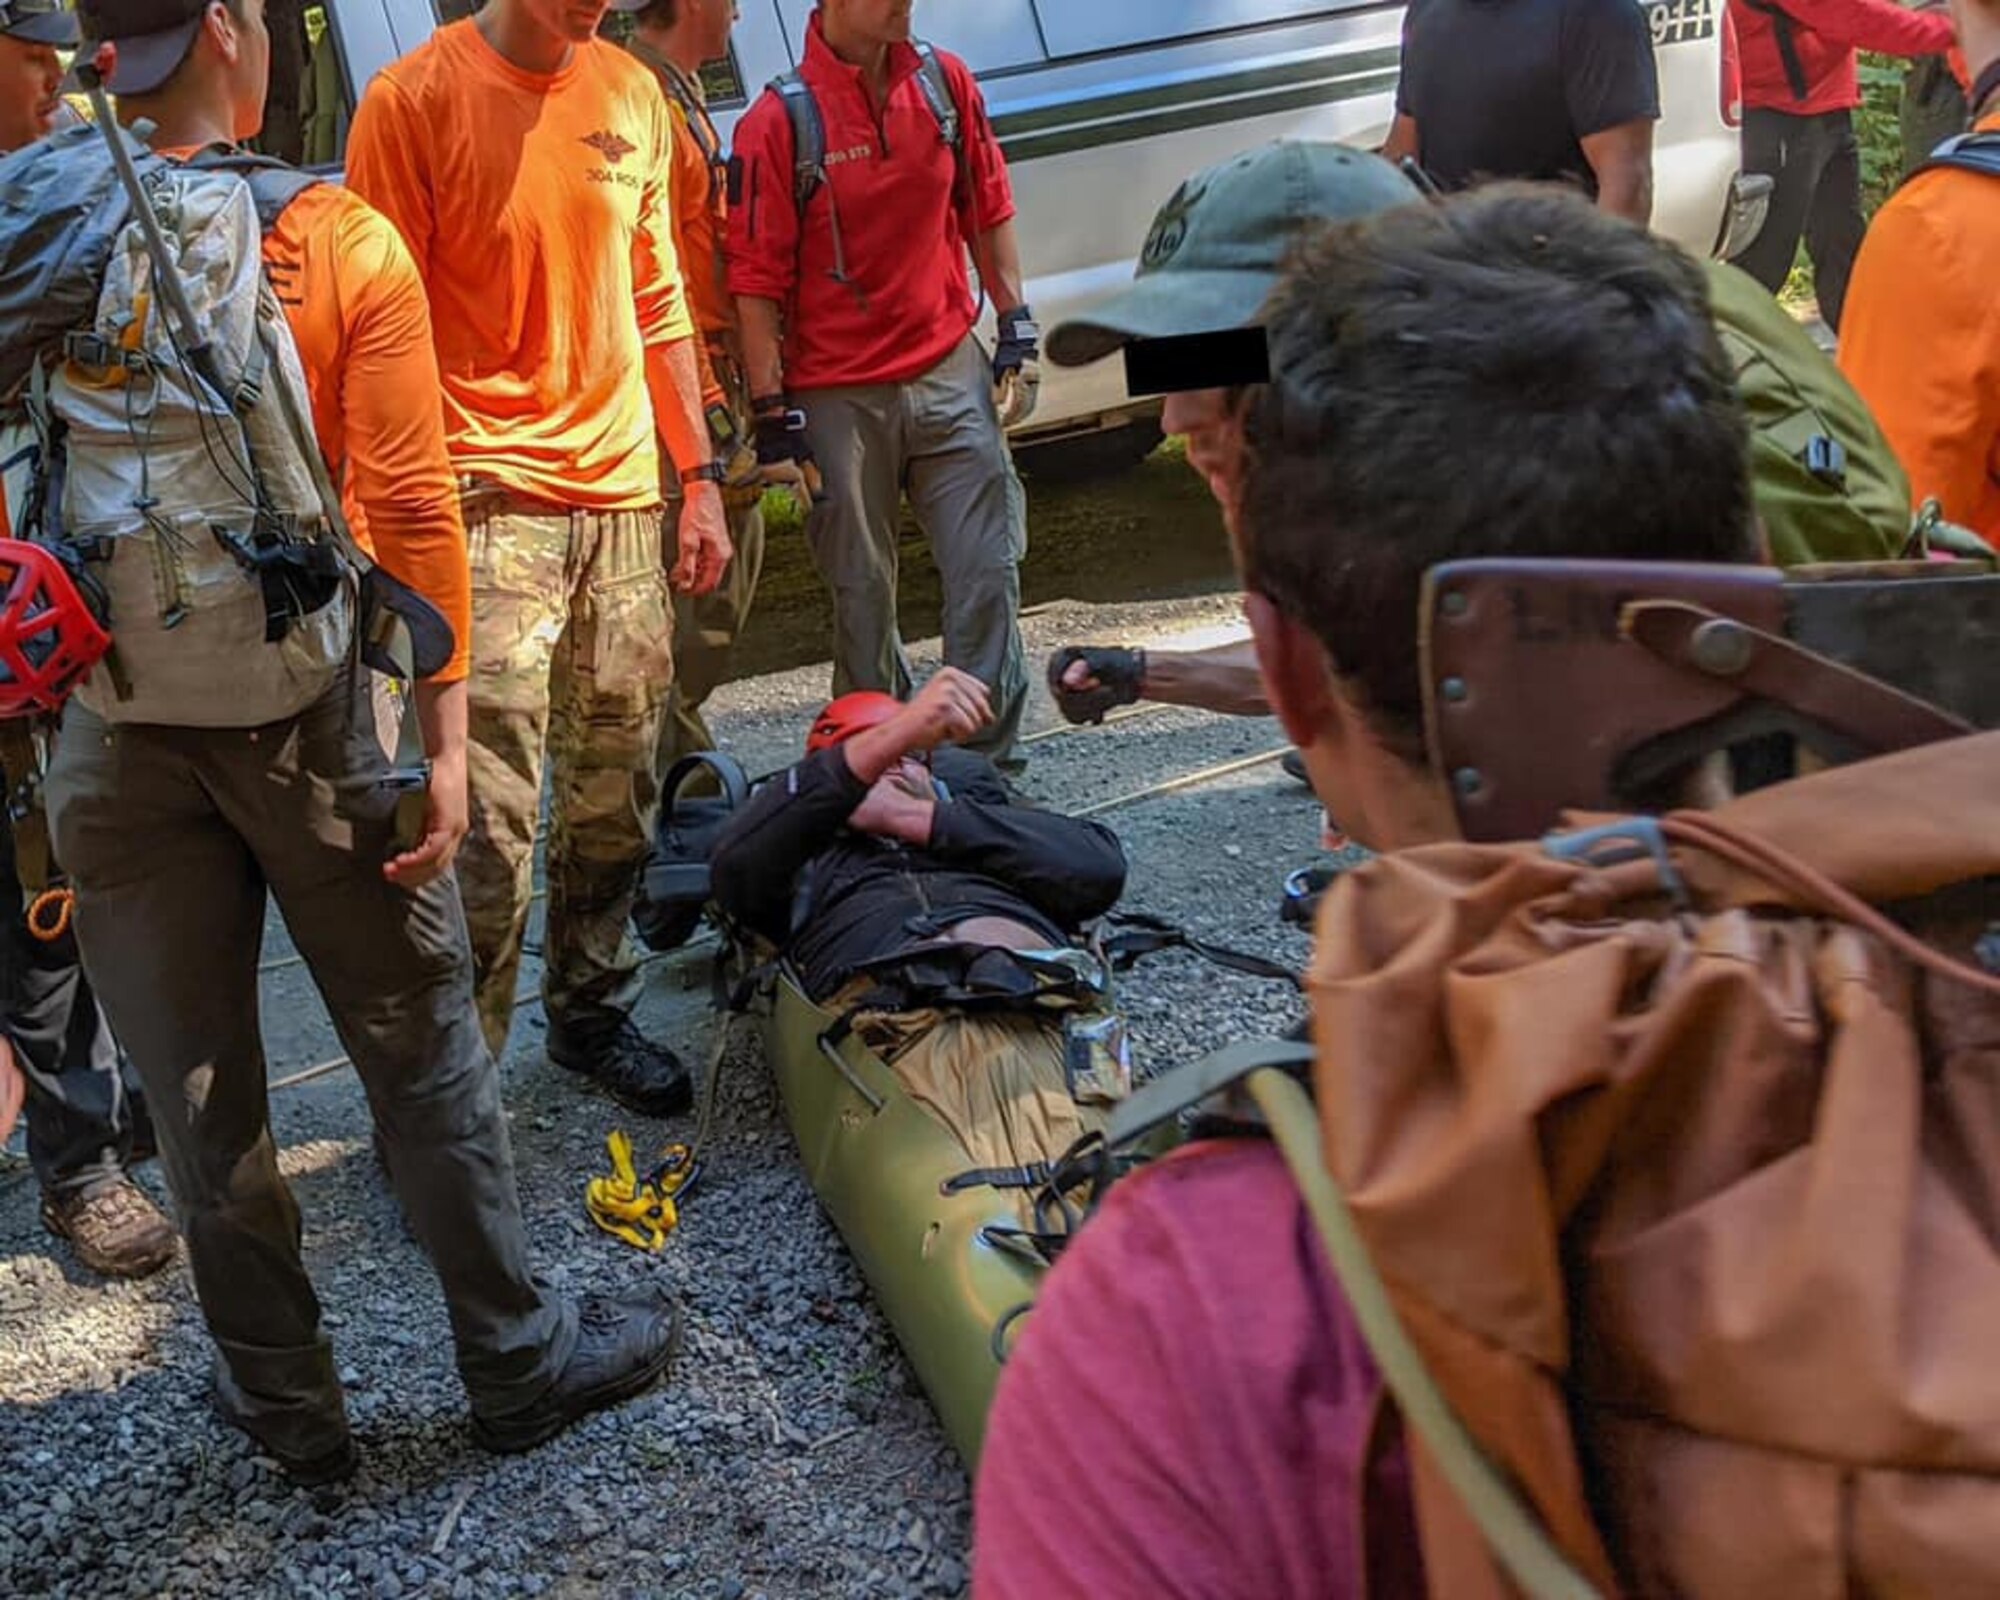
x=763, y=329
x=1627, y=192
x=1225, y=679
x=443, y=714
x=673, y=375
x=997, y=255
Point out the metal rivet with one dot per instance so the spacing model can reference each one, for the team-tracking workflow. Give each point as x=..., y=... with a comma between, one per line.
x=1454, y=690
x=1468, y=781
x=1454, y=603
x=1721, y=648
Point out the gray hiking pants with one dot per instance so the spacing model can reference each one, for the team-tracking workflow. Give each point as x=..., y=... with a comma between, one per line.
x=171, y=837
x=937, y=438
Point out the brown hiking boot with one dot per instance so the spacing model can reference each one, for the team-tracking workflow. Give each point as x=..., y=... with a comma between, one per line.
x=114, y=1229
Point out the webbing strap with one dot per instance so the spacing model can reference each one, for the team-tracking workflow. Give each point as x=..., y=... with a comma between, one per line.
x=1511, y=1528
x=1784, y=33
x=1166, y=1097
x=1141, y=934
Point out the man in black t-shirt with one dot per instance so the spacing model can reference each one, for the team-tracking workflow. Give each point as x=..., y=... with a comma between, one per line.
x=1559, y=90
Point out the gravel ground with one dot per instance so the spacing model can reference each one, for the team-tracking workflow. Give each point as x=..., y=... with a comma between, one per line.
x=791, y=1456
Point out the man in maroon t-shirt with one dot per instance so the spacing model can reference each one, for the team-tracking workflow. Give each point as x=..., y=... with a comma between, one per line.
x=857, y=317
x=1190, y=1413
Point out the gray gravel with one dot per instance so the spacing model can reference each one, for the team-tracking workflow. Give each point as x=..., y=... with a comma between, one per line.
x=791, y=1457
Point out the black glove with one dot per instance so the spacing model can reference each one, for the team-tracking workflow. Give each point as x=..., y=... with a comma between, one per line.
x=1017, y=367
x=1119, y=673
x=781, y=432
x=1020, y=342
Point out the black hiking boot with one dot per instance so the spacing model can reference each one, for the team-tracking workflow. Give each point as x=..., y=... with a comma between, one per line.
x=624, y=1345
x=334, y=1464
x=636, y=1072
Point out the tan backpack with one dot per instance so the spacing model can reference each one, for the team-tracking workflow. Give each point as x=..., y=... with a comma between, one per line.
x=1659, y=1159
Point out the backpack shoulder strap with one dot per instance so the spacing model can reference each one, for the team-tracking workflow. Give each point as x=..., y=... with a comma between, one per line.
x=1968, y=152
x=808, y=136
x=273, y=184
x=1784, y=31
x=935, y=86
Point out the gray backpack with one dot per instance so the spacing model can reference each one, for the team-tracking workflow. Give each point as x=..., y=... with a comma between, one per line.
x=174, y=459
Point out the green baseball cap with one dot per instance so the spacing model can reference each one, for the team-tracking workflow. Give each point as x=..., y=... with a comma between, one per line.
x=1217, y=245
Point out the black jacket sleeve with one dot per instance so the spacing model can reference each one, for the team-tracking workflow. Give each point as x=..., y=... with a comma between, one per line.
x=788, y=821
x=1069, y=869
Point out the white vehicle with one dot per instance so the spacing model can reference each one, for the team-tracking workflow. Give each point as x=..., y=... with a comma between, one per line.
x=1103, y=106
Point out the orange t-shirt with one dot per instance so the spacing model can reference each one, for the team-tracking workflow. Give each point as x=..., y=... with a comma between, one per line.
x=1920, y=339
x=359, y=317
x=537, y=208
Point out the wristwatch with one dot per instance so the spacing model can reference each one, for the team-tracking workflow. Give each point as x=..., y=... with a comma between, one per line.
x=708, y=472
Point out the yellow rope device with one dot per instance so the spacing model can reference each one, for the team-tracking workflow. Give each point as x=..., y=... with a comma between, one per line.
x=641, y=1211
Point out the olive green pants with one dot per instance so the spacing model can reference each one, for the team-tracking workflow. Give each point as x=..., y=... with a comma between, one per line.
x=706, y=628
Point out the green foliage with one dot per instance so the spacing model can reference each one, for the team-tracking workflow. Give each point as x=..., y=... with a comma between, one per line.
x=1879, y=129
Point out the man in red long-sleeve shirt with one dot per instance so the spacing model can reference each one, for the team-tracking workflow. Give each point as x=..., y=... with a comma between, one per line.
x=1800, y=88
x=857, y=317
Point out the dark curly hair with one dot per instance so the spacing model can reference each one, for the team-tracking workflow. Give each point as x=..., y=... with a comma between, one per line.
x=1507, y=373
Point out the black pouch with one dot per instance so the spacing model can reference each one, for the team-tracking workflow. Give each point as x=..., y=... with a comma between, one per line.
x=673, y=891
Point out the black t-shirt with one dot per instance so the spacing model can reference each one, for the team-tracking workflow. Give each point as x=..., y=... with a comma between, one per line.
x=1511, y=88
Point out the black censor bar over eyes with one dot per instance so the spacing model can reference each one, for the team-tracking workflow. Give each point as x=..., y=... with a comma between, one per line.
x=1229, y=359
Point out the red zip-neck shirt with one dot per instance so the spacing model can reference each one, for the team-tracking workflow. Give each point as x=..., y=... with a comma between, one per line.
x=907, y=301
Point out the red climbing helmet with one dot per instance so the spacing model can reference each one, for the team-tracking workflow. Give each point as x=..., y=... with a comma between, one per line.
x=51, y=634
x=842, y=719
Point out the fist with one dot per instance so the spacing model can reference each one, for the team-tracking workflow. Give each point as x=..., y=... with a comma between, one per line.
x=949, y=709
x=1087, y=681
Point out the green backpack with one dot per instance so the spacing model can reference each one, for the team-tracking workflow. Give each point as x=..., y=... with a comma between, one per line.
x=1827, y=485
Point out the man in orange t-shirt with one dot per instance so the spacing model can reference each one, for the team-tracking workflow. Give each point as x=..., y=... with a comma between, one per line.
x=527, y=163
x=174, y=836
x=1922, y=338
x=674, y=38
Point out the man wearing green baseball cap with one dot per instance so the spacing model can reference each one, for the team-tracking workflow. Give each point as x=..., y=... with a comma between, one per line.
x=1189, y=316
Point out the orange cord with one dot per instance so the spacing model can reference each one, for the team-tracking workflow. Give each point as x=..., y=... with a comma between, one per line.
x=63, y=901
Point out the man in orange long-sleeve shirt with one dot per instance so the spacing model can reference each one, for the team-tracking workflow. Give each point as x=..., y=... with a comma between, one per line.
x=1922, y=340
x=173, y=836
x=526, y=163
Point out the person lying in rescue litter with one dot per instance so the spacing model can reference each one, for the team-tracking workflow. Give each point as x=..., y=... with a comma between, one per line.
x=886, y=849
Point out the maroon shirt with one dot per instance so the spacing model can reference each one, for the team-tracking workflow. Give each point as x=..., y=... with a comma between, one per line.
x=889, y=187
x=1189, y=1411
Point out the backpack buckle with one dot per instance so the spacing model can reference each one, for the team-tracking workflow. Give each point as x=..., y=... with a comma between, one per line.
x=94, y=350
x=1615, y=843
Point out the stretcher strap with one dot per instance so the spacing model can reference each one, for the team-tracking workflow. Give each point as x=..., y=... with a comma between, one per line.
x=1140, y=935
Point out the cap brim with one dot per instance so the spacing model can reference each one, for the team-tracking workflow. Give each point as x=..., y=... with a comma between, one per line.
x=58, y=28
x=145, y=61
x=630, y=5
x=1161, y=306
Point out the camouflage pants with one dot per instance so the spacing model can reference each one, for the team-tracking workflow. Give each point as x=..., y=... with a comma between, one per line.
x=572, y=656
x=706, y=629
